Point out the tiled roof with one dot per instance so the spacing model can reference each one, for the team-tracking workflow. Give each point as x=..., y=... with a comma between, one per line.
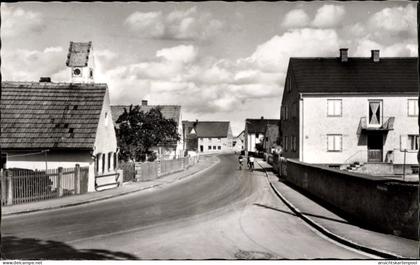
x=209, y=129
x=168, y=111
x=330, y=75
x=259, y=125
x=78, y=55
x=50, y=115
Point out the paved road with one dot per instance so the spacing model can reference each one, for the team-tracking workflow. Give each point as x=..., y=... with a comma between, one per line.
x=222, y=213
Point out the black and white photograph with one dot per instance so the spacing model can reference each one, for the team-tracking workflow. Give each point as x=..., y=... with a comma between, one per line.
x=211, y=131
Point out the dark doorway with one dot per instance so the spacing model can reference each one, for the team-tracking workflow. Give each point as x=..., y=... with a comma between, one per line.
x=201, y=148
x=375, y=144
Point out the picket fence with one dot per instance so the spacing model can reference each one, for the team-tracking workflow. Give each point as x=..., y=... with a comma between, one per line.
x=22, y=185
x=146, y=171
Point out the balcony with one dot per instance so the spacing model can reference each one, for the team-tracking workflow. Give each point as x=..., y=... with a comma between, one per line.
x=386, y=125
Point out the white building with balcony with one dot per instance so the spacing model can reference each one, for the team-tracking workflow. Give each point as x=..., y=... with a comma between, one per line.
x=346, y=111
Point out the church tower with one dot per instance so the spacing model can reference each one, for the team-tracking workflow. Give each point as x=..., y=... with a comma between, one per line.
x=80, y=61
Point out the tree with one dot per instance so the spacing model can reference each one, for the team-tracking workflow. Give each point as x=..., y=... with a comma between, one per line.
x=139, y=131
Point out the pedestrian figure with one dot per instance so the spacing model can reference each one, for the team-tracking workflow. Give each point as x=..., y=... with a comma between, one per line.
x=251, y=163
x=240, y=159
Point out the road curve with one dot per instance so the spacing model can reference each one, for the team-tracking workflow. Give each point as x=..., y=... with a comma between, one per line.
x=221, y=213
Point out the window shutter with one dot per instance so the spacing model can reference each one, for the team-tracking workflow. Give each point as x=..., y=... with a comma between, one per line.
x=330, y=142
x=403, y=142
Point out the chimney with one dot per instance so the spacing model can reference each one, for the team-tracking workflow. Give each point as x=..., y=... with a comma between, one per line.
x=262, y=117
x=343, y=55
x=44, y=79
x=374, y=55
x=144, y=102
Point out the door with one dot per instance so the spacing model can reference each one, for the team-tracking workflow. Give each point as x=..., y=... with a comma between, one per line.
x=375, y=147
x=201, y=148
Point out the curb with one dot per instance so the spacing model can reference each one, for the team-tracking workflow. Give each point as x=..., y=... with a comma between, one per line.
x=329, y=234
x=110, y=196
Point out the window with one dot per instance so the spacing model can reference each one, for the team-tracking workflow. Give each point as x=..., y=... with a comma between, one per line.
x=334, y=142
x=109, y=161
x=209, y=139
x=286, y=113
x=413, y=142
x=214, y=147
x=209, y=147
x=334, y=107
x=289, y=85
x=375, y=112
x=294, y=110
x=103, y=163
x=98, y=162
x=115, y=160
x=285, y=143
x=219, y=147
x=106, y=118
x=90, y=73
x=412, y=107
x=293, y=143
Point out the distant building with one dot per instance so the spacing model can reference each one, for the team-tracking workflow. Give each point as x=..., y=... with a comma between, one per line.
x=346, y=110
x=255, y=132
x=170, y=150
x=208, y=136
x=271, y=137
x=238, y=143
x=81, y=62
x=47, y=125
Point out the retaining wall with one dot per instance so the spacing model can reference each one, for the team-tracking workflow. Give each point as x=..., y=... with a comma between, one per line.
x=391, y=206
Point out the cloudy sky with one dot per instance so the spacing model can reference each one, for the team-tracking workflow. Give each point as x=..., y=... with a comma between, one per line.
x=219, y=60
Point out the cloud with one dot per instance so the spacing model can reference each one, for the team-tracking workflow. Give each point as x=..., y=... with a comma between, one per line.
x=149, y=24
x=273, y=55
x=181, y=53
x=395, y=20
x=17, y=21
x=180, y=75
x=328, y=16
x=296, y=18
x=401, y=49
x=188, y=24
x=30, y=65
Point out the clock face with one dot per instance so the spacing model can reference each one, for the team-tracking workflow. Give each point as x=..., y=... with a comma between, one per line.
x=76, y=71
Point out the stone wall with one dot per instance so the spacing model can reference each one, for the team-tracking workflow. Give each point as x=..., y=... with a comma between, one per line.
x=390, y=206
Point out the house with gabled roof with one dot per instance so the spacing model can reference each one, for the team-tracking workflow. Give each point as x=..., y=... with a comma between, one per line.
x=352, y=112
x=208, y=136
x=46, y=125
x=169, y=150
x=255, y=132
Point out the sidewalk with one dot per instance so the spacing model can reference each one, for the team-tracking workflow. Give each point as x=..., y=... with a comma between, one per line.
x=339, y=229
x=126, y=188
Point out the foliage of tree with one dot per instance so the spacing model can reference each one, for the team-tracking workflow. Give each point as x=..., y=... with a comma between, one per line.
x=139, y=131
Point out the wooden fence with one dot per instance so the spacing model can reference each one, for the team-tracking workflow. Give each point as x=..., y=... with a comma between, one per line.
x=23, y=186
x=152, y=170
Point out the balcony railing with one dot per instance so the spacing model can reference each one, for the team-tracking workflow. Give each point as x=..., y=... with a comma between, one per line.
x=386, y=125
